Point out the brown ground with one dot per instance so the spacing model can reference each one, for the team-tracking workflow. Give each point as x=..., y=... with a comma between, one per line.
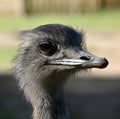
x=104, y=44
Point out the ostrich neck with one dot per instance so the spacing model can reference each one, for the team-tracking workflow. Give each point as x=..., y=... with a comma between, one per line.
x=46, y=95
x=50, y=107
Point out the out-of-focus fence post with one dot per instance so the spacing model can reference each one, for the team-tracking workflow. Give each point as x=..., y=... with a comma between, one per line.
x=67, y=6
x=28, y=6
x=103, y=3
x=110, y=3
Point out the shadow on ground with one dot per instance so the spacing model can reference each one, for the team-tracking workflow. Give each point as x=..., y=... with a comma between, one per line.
x=88, y=99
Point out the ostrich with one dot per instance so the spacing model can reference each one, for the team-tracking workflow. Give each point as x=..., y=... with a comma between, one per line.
x=47, y=56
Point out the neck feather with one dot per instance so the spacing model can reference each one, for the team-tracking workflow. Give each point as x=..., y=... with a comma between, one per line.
x=50, y=105
x=46, y=95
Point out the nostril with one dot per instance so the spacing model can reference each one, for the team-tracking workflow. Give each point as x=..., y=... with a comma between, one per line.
x=84, y=58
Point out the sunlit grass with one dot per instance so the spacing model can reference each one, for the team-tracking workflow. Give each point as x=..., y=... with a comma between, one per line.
x=6, y=50
x=7, y=55
x=100, y=20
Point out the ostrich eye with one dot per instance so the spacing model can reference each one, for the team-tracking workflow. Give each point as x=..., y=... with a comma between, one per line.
x=47, y=48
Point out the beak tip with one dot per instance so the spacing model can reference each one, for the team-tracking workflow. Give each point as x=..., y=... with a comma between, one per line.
x=104, y=63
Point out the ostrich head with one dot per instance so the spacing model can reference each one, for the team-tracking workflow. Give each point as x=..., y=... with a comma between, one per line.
x=47, y=56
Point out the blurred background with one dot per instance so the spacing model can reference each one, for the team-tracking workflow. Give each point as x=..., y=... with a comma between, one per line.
x=92, y=97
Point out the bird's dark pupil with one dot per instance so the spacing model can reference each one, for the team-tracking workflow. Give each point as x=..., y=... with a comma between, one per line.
x=47, y=49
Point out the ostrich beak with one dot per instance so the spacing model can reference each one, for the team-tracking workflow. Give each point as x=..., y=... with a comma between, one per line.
x=85, y=60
